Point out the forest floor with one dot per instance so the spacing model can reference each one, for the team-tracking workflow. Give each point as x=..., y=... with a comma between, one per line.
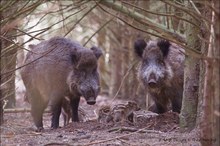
x=18, y=129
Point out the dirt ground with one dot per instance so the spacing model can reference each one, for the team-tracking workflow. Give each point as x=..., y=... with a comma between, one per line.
x=18, y=129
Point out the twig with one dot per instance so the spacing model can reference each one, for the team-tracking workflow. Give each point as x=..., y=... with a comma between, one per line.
x=57, y=144
x=194, y=6
x=142, y=130
x=98, y=30
x=27, y=34
x=126, y=142
x=142, y=19
x=28, y=134
x=192, y=13
x=189, y=51
x=124, y=77
x=21, y=110
x=80, y=19
x=13, y=43
x=43, y=54
x=161, y=14
x=122, y=129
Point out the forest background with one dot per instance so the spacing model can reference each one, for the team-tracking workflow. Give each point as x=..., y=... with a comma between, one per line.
x=114, y=25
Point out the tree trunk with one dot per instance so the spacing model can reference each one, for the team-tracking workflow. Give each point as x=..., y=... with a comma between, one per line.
x=1, y=97
x=102, y=66
x=209, y=120
x=125, y=92
x=191, y=80
x=216, y=73
x=8, y=59
x=115, y=58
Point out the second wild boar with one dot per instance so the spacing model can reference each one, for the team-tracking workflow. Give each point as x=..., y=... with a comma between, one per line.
x=161, y=72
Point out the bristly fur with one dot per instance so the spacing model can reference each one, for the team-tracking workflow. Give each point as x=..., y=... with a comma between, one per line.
x=164, y=46
x=163, y=63
x=66, y=69
x=139, y=47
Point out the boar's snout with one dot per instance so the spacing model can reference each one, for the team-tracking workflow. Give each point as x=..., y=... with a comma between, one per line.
x=152, y=82
x=118, y=116
x=90, y=92
x=91, y=102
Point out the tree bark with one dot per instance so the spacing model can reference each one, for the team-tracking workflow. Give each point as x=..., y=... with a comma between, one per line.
x=191, y=80
x=8, y=59
x=217, y=74
x=1, y=98
x=115, y=58
x=102, y=67
x=209, y=120
x=125, y=92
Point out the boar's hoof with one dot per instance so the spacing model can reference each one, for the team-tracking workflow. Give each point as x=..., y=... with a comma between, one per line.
x=39, y=129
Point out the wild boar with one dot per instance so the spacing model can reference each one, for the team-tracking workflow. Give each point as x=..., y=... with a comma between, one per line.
x=161, y=71
x=56, y=68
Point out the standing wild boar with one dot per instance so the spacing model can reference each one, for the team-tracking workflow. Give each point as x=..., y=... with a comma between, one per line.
x=161, y=72
x=57, y=68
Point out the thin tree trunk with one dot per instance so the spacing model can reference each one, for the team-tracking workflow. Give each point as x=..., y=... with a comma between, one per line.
x=8, y=59
x=1, y=97
x=125, y=62
x=191, y=80
x=102, y=67
x=216, y=74
x=209, y=121
x=115, y=57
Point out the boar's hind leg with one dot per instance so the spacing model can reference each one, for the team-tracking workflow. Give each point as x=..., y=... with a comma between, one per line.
x=37, y=109
x=56, y=110
x=75, y=105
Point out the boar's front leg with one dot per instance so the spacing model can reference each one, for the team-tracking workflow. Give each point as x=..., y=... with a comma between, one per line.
x=56, y=110
x=158, y=108
x=75, y=105
x=176, y=104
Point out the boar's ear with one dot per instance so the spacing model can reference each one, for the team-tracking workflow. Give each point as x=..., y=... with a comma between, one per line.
x=139, y=46
x=75, y=58
x=96, y=51
x=31, y=46
x=164, y=46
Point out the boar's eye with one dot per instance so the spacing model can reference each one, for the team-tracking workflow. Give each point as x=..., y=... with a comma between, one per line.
x=161, y=62
x=145, y=62
x=83, y=74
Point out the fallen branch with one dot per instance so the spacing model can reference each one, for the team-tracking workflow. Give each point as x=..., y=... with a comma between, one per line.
x=57, y=144
x=21, y=110
x=142, y=130
x=129, y=129
x=122, y=129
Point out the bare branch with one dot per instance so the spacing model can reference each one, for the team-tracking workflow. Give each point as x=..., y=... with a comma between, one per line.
x=161, y=14
x=143, y=20
x=80, y=19
x=106, y=23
